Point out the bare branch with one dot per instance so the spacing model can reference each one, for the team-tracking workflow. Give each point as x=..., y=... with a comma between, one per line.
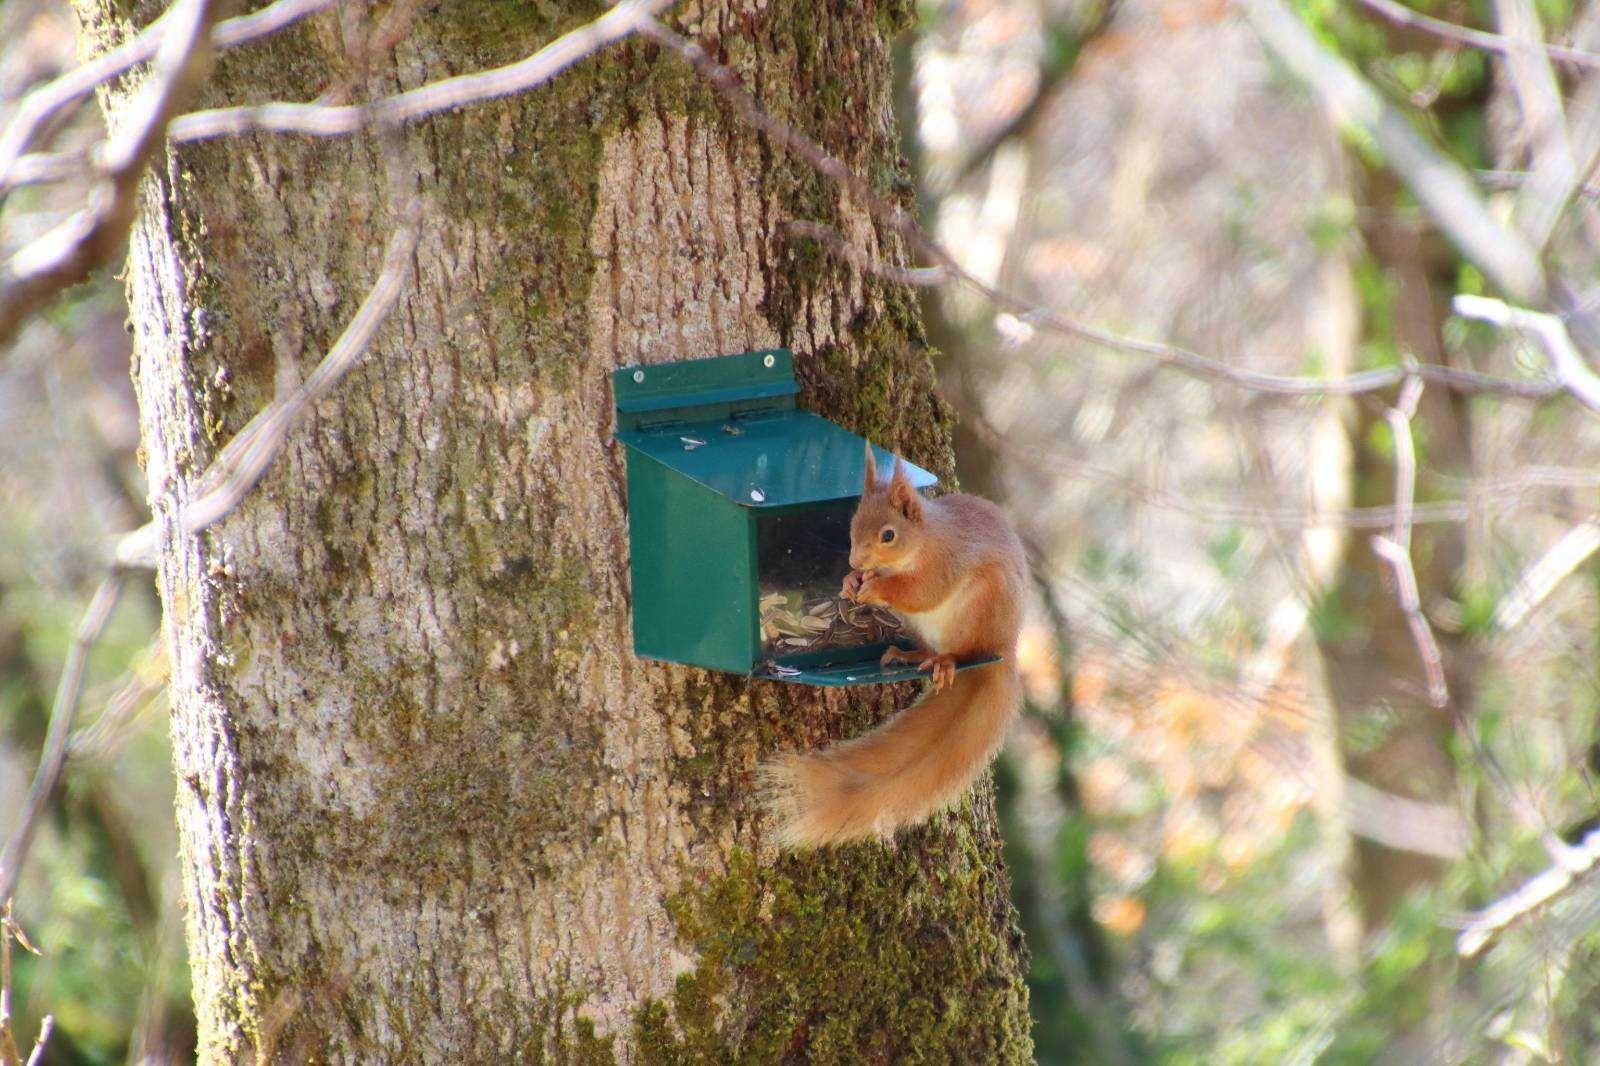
x=1201, y=366
x=1403, y=823
x=1481, y=40
x=90, y=237
x=54, y=757
x=137, y=550
x=11, y=930
x=1395, y=548
x=1541, y=579
x=1511, y=180
x=242, y=461
x=231, y=476
x=329, y=120
x=65, y=254
x=1569, y=366
x=1440, y=184
x=43, y=104
x=109, y=731
x=46, y=1026
x=827, y=235
x=1484, y=496
x=1572, y=866
x=1552, y=171
x=37, y=168
x=726, y=82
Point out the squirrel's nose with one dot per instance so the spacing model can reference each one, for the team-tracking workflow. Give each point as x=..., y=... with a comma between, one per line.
x=855, y=559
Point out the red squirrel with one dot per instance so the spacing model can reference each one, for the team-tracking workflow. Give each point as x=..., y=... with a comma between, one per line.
x=954, y=572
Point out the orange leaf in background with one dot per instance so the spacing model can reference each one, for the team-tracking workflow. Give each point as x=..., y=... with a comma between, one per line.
x=1119, y=860
x=1089, y=685
x=1037, y=662
x=1105, y=786
x=1237, y=851
x=1188, y=835
x=1179, y=16
x=1122, y=915
x=1049, y=256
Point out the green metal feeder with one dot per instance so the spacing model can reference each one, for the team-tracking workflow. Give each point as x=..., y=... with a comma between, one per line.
x=739, y=510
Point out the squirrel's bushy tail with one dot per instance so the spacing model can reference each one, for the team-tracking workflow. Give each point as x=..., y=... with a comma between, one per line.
x=911, y=766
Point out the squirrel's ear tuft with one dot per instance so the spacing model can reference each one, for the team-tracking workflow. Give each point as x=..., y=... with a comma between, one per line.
x=871, y=481
x=902, y=495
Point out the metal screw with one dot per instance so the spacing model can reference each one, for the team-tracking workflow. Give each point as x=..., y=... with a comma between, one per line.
x=638, y=375
x=757, y=495
x=770, y=361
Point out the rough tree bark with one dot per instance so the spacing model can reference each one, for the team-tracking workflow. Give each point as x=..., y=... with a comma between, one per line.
x=432, y=809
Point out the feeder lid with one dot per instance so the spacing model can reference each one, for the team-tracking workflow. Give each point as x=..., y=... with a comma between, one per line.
x=730, y=424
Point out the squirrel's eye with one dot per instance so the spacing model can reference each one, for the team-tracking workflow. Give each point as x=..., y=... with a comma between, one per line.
x=888, y=536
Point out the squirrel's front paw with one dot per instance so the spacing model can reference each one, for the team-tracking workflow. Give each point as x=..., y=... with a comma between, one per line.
x=852, y=584
x=856, y=582
x=867, y=590
x=895, y=654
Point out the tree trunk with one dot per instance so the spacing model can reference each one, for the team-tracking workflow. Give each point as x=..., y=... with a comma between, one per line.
x=432, y=808
x=1391, y=738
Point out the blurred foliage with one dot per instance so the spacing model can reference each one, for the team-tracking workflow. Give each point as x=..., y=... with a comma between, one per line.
x=1177, y=823
x=98, y=895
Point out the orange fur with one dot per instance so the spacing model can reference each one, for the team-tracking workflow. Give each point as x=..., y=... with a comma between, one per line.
x=911, y=767
x=955, y=572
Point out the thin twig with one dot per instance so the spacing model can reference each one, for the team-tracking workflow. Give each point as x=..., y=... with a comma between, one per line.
x=105, y=735
x=38, y=168
x=1482, y=497
x=338, y=120
x=1512, y=180
x=230, y=477
x=54, y=756
x=1541, y=579
x=1552, y=169
x=42, y=104
x=242, y=461
x=1481, y=40
x=727, y=84
x=836, y=243
x=66, y=253
x=1395, y=548
x=47, y=1025
x=1570, y=368
x=1193, y=363
x=1573, y=864
x=11, y=930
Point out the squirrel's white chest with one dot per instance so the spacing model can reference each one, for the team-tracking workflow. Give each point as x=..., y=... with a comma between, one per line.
x=937, y=627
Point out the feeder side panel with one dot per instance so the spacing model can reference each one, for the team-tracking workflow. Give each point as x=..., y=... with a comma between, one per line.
x=693, y=571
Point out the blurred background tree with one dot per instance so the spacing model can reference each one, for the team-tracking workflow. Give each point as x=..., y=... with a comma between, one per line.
x=1241, y=825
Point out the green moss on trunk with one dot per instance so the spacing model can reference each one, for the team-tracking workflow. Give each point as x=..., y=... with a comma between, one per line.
x=866, y=953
